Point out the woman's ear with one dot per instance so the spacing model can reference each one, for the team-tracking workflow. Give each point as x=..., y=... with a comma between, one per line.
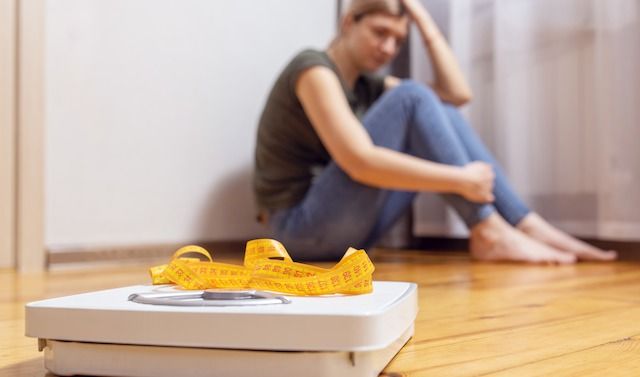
x=347, y=23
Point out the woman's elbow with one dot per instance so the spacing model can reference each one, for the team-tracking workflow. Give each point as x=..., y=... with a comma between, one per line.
x=357, y=166
x=360, y=174
x=461, y=98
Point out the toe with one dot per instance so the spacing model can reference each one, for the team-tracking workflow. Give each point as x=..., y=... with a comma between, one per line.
x=597, y=255
x=567, y=258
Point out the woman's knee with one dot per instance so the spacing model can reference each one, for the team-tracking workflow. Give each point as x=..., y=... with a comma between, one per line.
x=452, y=112
x=416, y=90
x=455, y=117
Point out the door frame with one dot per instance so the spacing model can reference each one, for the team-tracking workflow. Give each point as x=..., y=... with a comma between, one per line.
x=22, y=135
x=8, y=126
x=30, y=238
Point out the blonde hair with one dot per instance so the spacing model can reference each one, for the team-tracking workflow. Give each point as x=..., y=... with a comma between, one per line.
x=361, y=8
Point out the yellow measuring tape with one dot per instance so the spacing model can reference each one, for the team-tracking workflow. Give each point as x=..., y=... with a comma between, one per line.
x=268, y=267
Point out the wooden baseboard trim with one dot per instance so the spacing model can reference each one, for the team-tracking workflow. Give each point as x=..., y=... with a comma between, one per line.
x=142, y=252
x=235, y=249
x=626, y=250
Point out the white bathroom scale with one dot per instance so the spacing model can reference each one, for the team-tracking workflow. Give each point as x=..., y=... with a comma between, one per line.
x=156, y=331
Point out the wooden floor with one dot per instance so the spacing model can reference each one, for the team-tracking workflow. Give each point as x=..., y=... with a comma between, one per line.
x=475, y=319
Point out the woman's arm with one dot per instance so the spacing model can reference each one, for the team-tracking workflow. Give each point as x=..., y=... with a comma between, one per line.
x=348, y=142
x=450, y=84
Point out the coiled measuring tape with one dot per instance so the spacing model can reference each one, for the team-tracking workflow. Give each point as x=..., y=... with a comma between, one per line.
x=267, y=267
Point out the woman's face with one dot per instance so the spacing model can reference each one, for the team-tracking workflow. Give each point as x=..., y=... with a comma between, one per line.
x=375, y=39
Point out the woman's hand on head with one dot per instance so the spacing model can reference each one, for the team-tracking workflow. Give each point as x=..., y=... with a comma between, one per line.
x=420, y=15
x=415, y=9
x=478, y=182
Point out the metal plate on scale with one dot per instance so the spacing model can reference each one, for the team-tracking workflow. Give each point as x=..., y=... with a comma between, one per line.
x=209, y=297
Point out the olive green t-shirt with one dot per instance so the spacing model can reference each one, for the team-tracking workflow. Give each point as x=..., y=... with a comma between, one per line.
x=288, y=151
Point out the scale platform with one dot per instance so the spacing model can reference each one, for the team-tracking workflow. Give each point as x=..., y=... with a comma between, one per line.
x=132, y=332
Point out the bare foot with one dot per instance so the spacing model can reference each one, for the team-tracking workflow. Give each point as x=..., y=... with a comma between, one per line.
x=538, y=228
x=495, y=240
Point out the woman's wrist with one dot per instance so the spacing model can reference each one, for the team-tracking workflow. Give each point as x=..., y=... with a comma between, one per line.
x=458, y=180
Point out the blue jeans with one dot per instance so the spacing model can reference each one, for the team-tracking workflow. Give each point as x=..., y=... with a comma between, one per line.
x=338, y=212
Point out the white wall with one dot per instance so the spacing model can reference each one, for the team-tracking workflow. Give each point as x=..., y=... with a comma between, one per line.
x=151, y=111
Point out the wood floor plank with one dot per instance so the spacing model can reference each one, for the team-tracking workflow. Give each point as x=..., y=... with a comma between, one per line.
x=616, y=358
x=503, y=349
x=475, y=319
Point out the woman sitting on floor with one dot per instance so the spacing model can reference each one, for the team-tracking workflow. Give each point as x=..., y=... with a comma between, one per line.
x=342, y=152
